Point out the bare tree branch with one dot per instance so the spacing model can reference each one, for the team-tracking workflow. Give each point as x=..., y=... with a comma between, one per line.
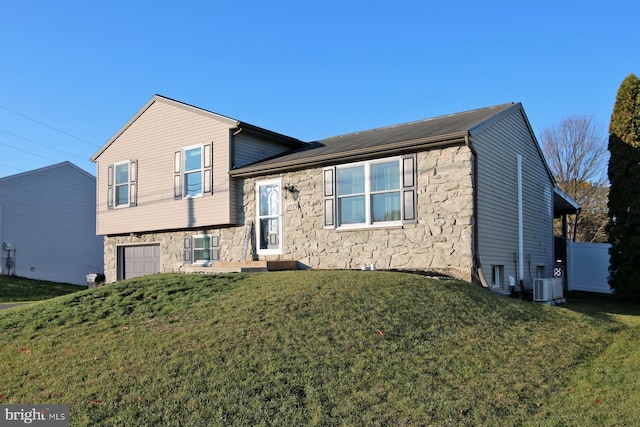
x=576, y=151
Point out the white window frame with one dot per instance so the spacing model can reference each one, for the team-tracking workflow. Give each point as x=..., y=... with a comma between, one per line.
x=194, y=249
x=497, y=276
x=368, y=194
x=185, y=172
x=117, y=205
x=280, y=215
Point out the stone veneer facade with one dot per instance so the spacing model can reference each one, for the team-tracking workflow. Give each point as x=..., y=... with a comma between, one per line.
x=440, y=241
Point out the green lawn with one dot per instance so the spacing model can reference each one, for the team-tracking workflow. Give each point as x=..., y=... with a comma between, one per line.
x=321, y=348
x=20, y=289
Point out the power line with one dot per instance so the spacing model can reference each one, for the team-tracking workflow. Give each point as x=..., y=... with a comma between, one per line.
x=43, y=145
x=49, y=126
x=11, y=167
x=28, y=152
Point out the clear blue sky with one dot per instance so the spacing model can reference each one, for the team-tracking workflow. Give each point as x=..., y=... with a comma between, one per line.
x=73, y=72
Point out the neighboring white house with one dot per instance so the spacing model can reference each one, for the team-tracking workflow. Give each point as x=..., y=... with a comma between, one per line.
x=47, y=224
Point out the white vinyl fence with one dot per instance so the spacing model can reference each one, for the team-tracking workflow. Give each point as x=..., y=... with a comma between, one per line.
x=588, y=267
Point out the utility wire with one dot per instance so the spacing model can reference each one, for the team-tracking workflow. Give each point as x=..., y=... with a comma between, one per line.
x=10, y=167
x=42, y=145
x=49, y=126
x=28, y=152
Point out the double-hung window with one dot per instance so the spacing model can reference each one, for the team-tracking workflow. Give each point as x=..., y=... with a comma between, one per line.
x=371, y=193
x=192, y=171
x=352, y=197
x=121, y=184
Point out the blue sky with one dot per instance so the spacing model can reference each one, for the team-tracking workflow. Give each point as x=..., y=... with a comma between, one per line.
x=73, y=72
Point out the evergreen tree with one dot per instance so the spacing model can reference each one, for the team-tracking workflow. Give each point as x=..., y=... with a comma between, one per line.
x=624, y=193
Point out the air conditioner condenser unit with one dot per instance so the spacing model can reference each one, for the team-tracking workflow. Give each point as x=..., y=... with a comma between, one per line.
x=543, y=290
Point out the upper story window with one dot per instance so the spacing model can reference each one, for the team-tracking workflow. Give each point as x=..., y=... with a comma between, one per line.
x=371, y=193
x=192, y=171
x=121, y=184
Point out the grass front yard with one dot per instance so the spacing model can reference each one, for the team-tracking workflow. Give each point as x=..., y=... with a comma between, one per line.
x=321, y=348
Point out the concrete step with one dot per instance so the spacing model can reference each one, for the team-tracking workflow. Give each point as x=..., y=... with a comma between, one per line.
x=243, y=267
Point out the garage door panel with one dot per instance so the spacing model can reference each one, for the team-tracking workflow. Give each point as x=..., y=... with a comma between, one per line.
x=141, y=260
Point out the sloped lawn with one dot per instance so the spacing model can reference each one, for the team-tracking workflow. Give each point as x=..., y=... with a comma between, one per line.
x=320, y=348
x=20, y=289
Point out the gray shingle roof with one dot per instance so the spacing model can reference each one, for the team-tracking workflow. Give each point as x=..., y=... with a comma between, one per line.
x=377, y=142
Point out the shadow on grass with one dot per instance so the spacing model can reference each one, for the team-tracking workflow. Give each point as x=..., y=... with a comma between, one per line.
x=600, y=305
x=15, y=289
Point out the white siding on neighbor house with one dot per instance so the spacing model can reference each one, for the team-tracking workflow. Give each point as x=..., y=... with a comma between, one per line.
x=152, y=139
x=497, y=149
x=49, y=217
x=588, y=267
x=247, y=150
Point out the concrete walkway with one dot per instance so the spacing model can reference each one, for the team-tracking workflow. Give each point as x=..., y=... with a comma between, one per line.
x=4, y=306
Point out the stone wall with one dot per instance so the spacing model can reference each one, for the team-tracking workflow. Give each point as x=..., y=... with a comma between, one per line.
x=440, y=241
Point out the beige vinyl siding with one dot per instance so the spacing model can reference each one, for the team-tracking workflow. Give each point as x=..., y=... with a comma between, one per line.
x=247, y=150
x=151, y=140
x=497, y=148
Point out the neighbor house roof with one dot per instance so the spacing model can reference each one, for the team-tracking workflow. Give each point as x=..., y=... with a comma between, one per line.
x=65, y=164
x=438, y=131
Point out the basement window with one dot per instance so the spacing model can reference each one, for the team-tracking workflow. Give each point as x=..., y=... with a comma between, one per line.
x=201, y=249
x=497, y=276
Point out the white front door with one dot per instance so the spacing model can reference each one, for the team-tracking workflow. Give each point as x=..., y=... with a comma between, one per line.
x=269, y=217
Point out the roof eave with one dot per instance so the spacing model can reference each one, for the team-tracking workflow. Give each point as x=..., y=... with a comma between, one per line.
x=563, y=204
x=353, y=155
x=269, y=135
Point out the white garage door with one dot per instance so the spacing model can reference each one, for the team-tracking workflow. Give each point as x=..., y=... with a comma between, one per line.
x=140, y=260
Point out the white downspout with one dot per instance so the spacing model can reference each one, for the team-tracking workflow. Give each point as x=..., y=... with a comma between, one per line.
x=520, y=222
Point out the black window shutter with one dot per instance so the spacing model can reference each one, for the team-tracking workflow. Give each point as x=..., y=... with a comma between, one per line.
x=110, y=187
x=207, y=169
x=133, y=182
x=409, y=198
x=177, y=178
x=328, y=188
x=186, y=249
x=215, y=247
